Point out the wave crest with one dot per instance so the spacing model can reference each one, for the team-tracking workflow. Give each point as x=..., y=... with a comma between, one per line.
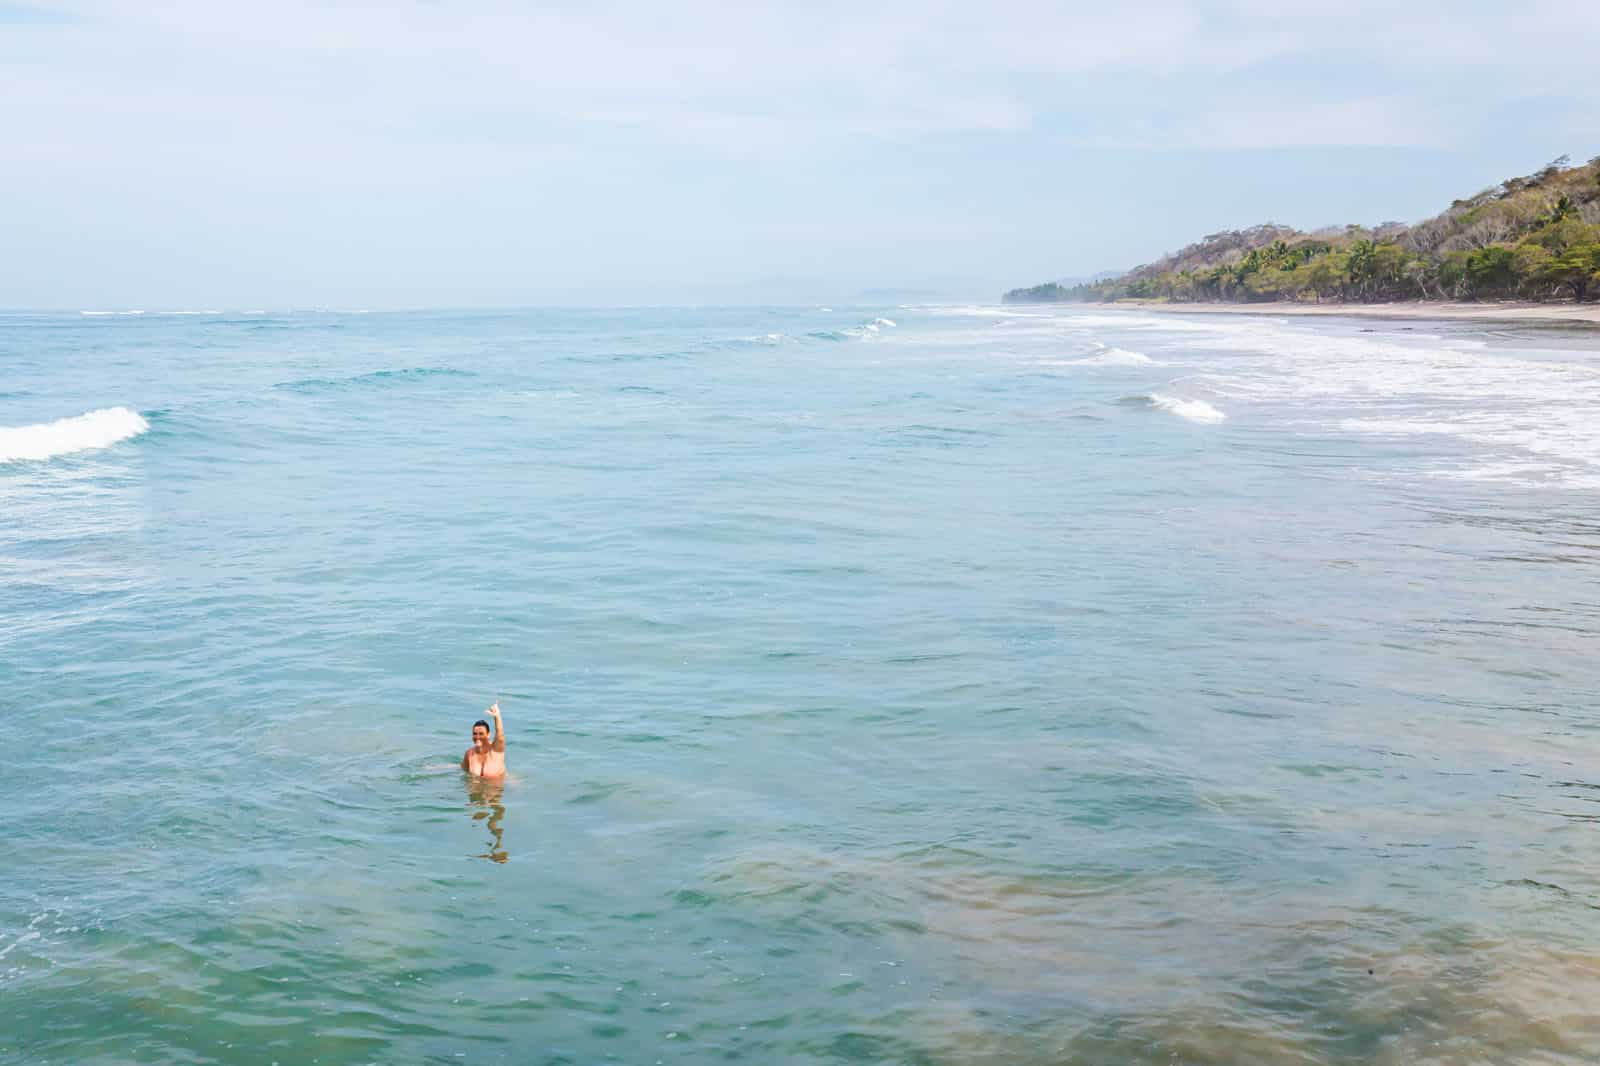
x=81, y=433
x=1192, y=410
x=376, y=377
x=861, y=332
x=1114, y=357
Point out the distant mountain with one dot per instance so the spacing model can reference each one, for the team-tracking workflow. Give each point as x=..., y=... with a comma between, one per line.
x=1060, y=289
x=928, y=291
x=1535, y=238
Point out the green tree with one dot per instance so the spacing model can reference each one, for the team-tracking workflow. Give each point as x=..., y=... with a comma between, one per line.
x=1453, y=274
x=1490, y=270
x=1325, y=276
x=1388, y=262
x=1529, y=263
x=1422, y=272
x=1359, y=266
x=1576, y=269
x=1568, y=231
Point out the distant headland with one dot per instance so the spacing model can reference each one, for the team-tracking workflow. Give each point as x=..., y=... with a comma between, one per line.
x=1533, y=238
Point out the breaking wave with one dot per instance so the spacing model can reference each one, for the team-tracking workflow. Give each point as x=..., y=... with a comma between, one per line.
x=1193, y=410
x=760, y=340
x=861, y=332
x=45, y=440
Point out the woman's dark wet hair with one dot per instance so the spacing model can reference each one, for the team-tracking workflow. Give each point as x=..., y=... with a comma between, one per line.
x=485, y=725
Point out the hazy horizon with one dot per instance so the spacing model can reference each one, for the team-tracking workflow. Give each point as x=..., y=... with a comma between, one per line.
x=787, y=293
x=434, y=155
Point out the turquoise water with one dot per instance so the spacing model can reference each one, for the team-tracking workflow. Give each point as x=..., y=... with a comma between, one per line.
x=893, y=685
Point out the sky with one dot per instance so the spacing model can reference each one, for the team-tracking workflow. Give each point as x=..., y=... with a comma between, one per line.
x=180, y=154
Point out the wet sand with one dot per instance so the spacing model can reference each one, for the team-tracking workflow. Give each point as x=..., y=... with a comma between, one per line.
x=1473, y=312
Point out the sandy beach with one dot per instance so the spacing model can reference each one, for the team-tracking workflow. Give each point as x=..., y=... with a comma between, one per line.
x=1481, y=312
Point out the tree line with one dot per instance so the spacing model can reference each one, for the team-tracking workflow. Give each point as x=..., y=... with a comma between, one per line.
x=1533, y=238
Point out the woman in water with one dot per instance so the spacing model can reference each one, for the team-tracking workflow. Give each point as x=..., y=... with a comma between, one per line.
x=486, y=757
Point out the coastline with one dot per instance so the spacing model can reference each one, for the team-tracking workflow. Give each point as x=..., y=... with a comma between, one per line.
x=1564, y=314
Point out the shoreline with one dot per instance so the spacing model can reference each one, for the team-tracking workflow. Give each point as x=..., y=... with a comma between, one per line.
x=1562, y=314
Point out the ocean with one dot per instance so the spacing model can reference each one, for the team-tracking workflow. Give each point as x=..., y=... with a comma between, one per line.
x=904, y=685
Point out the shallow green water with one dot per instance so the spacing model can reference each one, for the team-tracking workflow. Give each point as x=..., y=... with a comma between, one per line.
x=981, y=687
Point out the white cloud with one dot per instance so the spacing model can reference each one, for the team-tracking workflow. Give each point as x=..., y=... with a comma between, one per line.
x=491, y=145
x=746, y=78
x=1361, y=122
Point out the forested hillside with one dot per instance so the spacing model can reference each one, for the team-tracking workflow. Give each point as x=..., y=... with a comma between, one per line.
x=1531, y=238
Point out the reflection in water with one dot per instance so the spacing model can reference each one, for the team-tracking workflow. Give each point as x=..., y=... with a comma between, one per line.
x=485, y=793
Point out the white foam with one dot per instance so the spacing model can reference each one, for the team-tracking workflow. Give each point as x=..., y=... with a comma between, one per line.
x=1113, y=357
x=1504, y=407
x=867, y=329
x=1193, y=410
x=23, y=939
x=44, y=440
x=1532, y=402
x=980, y=312
x=1146, y=322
